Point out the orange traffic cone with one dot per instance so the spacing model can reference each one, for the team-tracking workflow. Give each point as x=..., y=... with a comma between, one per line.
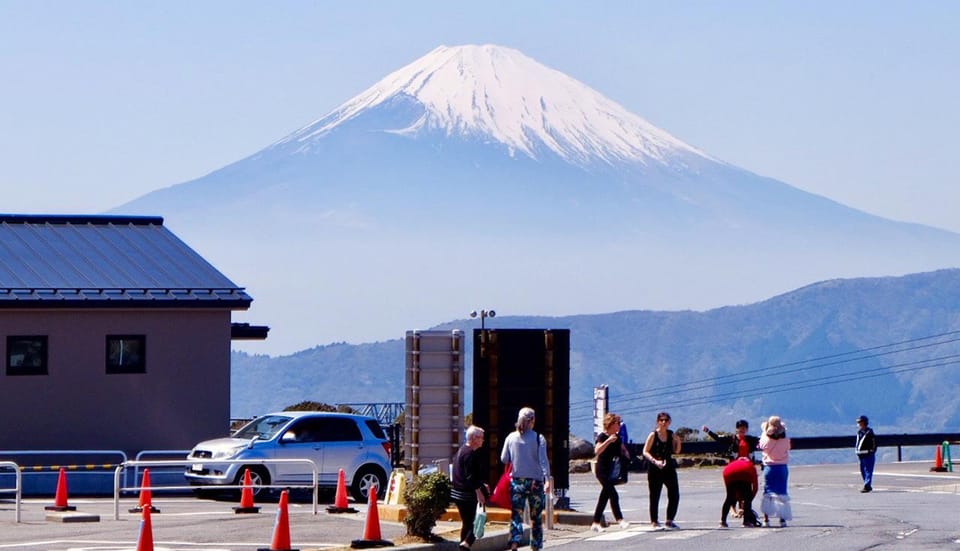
x=60, y=500
x=281, y=531
x=938, y=462
x=371, y=530
x=340, y=502
x=146, y=497
x=246, y=496
x=145, y=539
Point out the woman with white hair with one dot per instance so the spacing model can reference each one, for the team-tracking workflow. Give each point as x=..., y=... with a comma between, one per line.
x=469, y=488
x=526, y=452
x=775, y=446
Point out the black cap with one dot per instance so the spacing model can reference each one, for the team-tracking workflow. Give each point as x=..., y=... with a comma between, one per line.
x=863, y=419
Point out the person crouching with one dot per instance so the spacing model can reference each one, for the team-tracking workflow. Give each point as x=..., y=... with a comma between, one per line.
x=740, y=480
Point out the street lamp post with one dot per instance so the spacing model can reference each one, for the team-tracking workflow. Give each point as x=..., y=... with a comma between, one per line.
x=484, y=314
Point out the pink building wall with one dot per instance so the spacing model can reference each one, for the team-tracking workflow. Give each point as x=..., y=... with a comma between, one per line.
x=183, y=397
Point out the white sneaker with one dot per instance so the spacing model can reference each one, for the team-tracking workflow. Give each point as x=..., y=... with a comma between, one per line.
x=596, y=527
x=624, y=524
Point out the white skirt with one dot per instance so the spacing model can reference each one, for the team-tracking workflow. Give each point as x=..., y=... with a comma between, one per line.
x=775, y=505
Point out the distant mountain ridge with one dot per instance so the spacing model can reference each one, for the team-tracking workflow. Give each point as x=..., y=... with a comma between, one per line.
x=476, y=176
x=819, y=356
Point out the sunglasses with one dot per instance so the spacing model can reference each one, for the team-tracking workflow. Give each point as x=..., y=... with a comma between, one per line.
x=663, y=419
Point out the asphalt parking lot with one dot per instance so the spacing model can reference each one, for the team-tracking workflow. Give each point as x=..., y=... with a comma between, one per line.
x=911, y=508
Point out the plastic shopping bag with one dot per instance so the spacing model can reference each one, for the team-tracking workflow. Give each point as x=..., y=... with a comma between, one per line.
x=479, y=523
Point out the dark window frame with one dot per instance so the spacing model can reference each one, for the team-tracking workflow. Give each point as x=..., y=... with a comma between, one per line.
x=338, y=429
x=18, y=370
x=125, y=366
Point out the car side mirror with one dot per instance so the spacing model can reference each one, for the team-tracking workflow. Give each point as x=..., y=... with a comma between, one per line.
x=253, y=441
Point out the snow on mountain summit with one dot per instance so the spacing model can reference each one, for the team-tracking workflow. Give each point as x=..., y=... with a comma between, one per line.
x=498, y=94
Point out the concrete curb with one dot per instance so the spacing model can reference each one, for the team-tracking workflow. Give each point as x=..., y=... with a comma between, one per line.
x=491, y=541
x=497, y=540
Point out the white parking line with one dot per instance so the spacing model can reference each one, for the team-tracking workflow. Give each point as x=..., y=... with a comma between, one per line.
x=916, y=475
x=902, y=535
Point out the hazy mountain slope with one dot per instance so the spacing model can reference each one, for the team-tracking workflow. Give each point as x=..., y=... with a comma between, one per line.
x=714, y=367
x=477, y=174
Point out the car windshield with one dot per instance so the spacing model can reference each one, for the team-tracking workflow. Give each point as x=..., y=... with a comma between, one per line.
x=263, y=428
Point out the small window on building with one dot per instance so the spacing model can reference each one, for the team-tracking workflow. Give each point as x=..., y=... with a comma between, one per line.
x=126, y=354
x=27, y=355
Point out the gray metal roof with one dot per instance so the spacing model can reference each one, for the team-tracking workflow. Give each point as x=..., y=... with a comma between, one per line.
x=105, y=261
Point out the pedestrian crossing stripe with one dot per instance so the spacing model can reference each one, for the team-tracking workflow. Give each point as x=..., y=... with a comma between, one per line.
x=750, y=534
x=681, y=534
x=615, y=536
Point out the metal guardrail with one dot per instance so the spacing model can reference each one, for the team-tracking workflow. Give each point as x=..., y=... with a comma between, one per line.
x=117, y=488
x=67, y=453
x=17, y=490
x=71, y=463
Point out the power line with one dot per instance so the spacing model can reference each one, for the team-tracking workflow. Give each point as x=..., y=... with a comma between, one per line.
x=744, y=375
x=800, y=385
x=788, y=386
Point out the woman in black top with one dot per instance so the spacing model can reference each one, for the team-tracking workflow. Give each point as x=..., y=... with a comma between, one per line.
x=468, y=485
x=659, y=450
x=607, y=448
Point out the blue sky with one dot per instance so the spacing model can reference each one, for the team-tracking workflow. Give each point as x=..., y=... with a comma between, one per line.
x=105, y=101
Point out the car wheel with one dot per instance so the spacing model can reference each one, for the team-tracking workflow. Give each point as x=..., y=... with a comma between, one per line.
x=259, y=477
x=364, y=478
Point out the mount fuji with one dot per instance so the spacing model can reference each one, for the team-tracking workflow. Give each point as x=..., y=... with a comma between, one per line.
x=475, y=177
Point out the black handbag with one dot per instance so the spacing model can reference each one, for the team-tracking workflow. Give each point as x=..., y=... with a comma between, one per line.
x=618, y=471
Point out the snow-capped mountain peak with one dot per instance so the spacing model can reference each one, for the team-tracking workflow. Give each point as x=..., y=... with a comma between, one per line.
x=493, y=93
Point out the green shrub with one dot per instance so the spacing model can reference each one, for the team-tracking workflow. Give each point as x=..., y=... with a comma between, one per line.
x=427, y=498
x=308, y=405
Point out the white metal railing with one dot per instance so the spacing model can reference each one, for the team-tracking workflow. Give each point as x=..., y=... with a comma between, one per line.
x=155, y=455
x=18, y=489
x=117, y=488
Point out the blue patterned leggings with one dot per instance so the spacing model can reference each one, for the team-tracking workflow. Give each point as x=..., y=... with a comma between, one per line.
x=526, y=491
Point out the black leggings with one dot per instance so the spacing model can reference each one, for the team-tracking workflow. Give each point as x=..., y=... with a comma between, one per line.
x=656, y=480
x=608, y=492
x=468, y=513
x=738, y=491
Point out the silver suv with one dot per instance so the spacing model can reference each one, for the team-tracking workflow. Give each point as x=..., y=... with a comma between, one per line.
x=333, y=441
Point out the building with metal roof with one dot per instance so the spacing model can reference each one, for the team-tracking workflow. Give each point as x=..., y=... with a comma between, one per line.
x=115, y=335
